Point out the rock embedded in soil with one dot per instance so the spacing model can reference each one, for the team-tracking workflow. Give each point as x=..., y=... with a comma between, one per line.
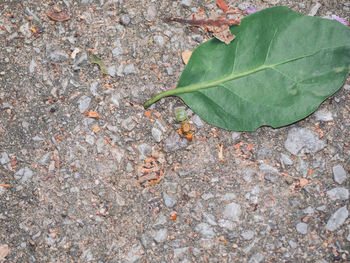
x=338, y=194
x=301, y=141
x=337, y=219
x=339, y=174
x=302, y=228
x=232, y=211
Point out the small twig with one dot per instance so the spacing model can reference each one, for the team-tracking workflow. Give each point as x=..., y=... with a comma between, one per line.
x=204, y=22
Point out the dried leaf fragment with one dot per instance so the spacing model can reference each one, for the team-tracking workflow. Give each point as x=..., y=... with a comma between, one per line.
x=92, y=114
x=186, y=56
x=303, y=182
x=96, y=60
x=59, y=17
x=4, y=251
x=222, y=5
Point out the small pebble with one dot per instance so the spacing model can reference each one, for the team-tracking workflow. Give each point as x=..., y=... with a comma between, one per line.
x=205, y=230
x=323, y=115
x=285, y=159
x=302, y=228
x=256, y=258
x=129, y=69
x=337, y=219
x=151, y=13
x=247, y=234
x=159, y=40
x=169, y=201
x=125, y=20
x=160, y=236
x=84, y=103
x=232, y=211
x=157, y=134
x=301, y=141
x=128, y=124
x=339, y=174
x=338, y=194
x=186, y=3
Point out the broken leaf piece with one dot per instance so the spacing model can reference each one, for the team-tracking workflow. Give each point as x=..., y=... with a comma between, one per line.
x=186, y=56
x=96, y=60
x=59, y=17
x=222, y=5
x=92, y=114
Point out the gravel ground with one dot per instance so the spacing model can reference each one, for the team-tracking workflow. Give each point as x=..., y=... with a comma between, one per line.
x=77, y=193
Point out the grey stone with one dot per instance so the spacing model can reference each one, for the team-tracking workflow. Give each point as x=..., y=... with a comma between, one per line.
x=285, y=159
x=84, y=103
x=134, y=254
x=265, y=168
x=24, y=174
x=111, y=70
x=309, y=210
x=170, y=70
x=55, y=54
x=209, y=218
x=32, y=66
x=180, y=252
x=128, y=124
x=207, y=196
x=302, y=228
x=205, y=230
x=323, y=115
x=337, y=219
x=90, y=139
x=145, y=150
x=228, y=197
x=4, y=158
x=81, y=59
x=157, y=134
x=125, y=20
x=256, y=258
x=151, y=13
x=301, y=141
x=247, y=234
x=160, y=220
x=338, y=194
x=235, y=136
x=159, y=40
x=100, y=144
x=24, y=29
x=129, y=69
x=292, y=244
x=248, y=174
x=44, y=160
x=197, y=121
x=169, y=201
x=174, y=142
x=115, y=99
x=186, y=3
x=232, y=211
x=339, y=174
x=314, y=9
x=243, y=6
x=161, y=235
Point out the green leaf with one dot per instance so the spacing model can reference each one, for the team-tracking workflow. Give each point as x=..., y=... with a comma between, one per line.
x=279, y=69
x=96, y=60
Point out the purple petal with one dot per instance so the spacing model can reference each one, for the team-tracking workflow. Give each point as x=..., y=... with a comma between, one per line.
x=252, y=9
x=339, y=19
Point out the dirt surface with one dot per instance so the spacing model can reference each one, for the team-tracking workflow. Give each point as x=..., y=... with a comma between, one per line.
x=78, y=191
